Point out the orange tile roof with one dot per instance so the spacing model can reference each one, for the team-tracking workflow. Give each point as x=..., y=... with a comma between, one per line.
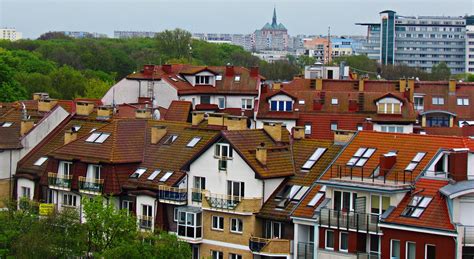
x=303, y=210
x=178, y=111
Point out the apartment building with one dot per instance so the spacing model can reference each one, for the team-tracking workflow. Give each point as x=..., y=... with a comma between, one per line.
x=469, y=44
x=10, y=34
x=420, y=42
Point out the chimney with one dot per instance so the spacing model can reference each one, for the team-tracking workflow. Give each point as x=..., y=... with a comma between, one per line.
x=353, y=105
x=319, y=84
x=298, y=132
x=104, y=112
x=254, y=71
x=157, y=133
x=229, y=70
x=275, y=130
x=361, y=84
x=45, y=105
x=467, y=130
x=142, y=114
x=342, y=137
x=411, y=88
x=261, y=154
x=148, y=69
x=166, y=68
x=452, y=86
x=197, y=117
x=40, y=96
x=216, y=119
x=402, y=83
x=457, y=163
x=84, y=108
x=367, y=124
x=276, y=86
x=235, y=122
x=317, y=105
x=386, y=163
x=69, y=136
x=26, y=125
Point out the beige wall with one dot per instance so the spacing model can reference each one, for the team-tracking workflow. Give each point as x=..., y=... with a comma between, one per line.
x=4, y=191
x=205, y=251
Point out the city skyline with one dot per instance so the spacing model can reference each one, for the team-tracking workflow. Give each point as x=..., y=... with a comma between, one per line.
x=44, y=16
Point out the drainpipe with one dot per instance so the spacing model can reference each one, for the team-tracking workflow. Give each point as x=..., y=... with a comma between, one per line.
x=10, y=179
x=263, y=192
x=316, y=240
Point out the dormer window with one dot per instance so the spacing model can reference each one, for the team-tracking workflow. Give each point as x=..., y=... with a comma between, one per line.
x=389, y=106
x=203, y=80
x=276, y=105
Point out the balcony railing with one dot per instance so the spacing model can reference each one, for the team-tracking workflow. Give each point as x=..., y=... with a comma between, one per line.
x=172, y=195
x=371, y=175
x=221, y=201
x=270, y=246
x=231, y=203
x=91, y=185
x=145, y=222
x=59, y=181
x=362, y=255
x=196, y=195
x=305, y=250
x=354, y=221
x=468, y=239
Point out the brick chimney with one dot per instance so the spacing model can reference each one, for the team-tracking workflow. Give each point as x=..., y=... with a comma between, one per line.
x=229, y=70
x=261, y=154
x=45, y=105
x=467, y=130
x=457, y=163
x=387, y=161
x=319, y=84
x=298, y=132
x=26, y=125
x=452, y=86
x=275, y=130
x=216, y=119
x=84, y=108
x=166, y=68
x=197, y=117
x=142, y=114
x=235, y=122
x=411, y=88
x=69, y=136
x=402, y=84
x=157, y=133
x=353, y=105
x=104, y=112
x=342, y=137
x=361, y=84
x=40, y=96
x=254, y=71
x=148, y=69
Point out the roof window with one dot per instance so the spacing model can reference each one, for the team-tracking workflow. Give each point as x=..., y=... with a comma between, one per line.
x=40, y=161
x=138, y=173
x=7, y=124
x=290, y=193
x=415, y=161
x=154, y=175
x=98, y=137
x=361, y=156
x=237, y=78
x=313, y=158
x=170, y=139
x=193, y=142
x=76, y=128
x=417, y=205
x=316, y=199
x=165, y=177
x=218, y=77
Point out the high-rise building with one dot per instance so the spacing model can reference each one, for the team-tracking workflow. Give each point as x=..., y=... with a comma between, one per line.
x=470, y=44
x=134, y=34
x=422, y=41
x=10, y=34
x=84, y=34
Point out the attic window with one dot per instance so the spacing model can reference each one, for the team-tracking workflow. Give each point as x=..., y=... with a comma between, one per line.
x=218, y=77
x=193, y=142
x=165, y=177
x=40, y=161
x=174, y=79
x=361, y=156
x=415, y=161
x=170, y=139
x=7, y=124
x=154, y=175
x=316, y=199
x=313, y=158
x=417, y=205
x=203, y=80
x=237, y=78
x=290, y=193
x=138, y=173
x=301, y=102
x=334, y=101
x=76, y=128
x=98, y=137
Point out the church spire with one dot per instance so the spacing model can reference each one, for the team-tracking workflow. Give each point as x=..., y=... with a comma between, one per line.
x=274, y=20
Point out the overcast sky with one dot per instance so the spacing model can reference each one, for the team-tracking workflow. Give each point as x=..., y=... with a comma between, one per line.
x=34, y=17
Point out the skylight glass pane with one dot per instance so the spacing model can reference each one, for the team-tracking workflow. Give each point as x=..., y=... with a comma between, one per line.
x=7, y=124
x=417, y=212
x=300, y=194
x=40, y=161
x=415, y=200
x=154, y=175
x=317, y=154
x=138, y=173
x=294, y=190
x=93, y=137
x=219, y=77
x=361, y=162
x=425, y=202
x=369, y=152
x=193, y=142
x=419, y=156
x=237, y=78
x=315, y=199
x=103, y=137
x=411, y=166
x=166, y=176
x=76, y=128
x=308, y=165
x=284, y=193
x=360, y=151
x=352, y=161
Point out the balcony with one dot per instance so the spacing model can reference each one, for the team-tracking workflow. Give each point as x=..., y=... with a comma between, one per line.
x=90, y=185
x=270, y=247
x=172, y=195
x=305, y=250
x=350, y=221
x=59, y=182
x=145, y=222
x=196, y=195
x=468, y=237
x=222, y=202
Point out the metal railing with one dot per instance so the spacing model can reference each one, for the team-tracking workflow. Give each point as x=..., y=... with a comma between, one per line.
x=359, y=222
x=172, y=193
x=196, y=195
x=367, y=174
x=221, y=201
x=305, y=250
x=270, y=246
x=60, y=181
x=145, y=222
x=364, y=255
x=468, y=235
x=91, y=185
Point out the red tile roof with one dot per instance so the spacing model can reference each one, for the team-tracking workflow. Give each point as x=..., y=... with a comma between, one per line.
x=178, y=111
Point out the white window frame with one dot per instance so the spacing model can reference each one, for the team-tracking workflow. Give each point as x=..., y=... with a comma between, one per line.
x=201, y=80
x=426, y=249
x=406, y=248
x=326, y=239
x=351, y=199
x=127, y=205
x=219, y=102
x=437, y=100
x=334, y=101
x=462, y=101
x=217, y=254
x=235, y=256
x=237, y=230
x=175, y=214
x=219, y=220
x=69, y=200
x=26, y=192
x=220, y=146
x=246, y=102
x=308, y=128
x=62, y=166
x=340, y=241
x=92, y=170
x=391, y=248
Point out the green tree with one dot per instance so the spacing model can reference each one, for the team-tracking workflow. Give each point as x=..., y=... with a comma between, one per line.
x=440, y=71
x=53, y=35
x=96, y=88
x=10, y=89
x=68, y=82
x=174, y=44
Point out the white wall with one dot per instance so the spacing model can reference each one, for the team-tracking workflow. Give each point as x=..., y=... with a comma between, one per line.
x=470, y=166
x=406, y=128
x=464, y=209
x=231, y=101
x=270, y=187
x=145, y=200
x=25, y=183
x=290, y=124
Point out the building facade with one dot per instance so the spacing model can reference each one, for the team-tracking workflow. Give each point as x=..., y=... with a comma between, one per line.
x=10, y=34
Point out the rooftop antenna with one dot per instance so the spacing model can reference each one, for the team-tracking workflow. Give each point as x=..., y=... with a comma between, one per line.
x=24, y=112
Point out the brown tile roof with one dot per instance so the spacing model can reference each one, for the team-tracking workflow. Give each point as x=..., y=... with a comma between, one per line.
x=303, y=209
x=435, y=216
x=178, y=111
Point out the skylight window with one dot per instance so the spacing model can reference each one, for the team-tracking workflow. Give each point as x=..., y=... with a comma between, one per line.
x=180, y=78
x=301, y=102
x=313, y=158
x=415, y=161
x=287, y=194
x=7, y=124
x=92, y=130
x=76, y=128
x=98, y=137
x=165, y=177
x=138, y=173
x=417, y=205
x=300, y=193
x=361, y=156
x=218, y=77
x=315, y=199
x=40, y=161
x=193, y=142
x=237, y=78
x=174, y=79
x=154, y=175
x=170, y=139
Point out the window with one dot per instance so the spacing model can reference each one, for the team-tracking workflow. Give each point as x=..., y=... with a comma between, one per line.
x=189, y=224
x=221, y=102
x=391, y=129
x=415, y=161
x=217, y=254
x=463, y=101
x=313, y=158
x=389, y=107
x=334, y=101
x=40, y=161
x=329, y=239
x=7, y=124
x=25, y=192
x=98, y=137
x=127, y=206
x=343, y=241
x=237, y=78
x=146, y=219
x=218, y=77
x=93, y=172
x=379, y=204
x=165, y=177
x=69, y=200
x=273, y=229
x=64, y=168
x=175, y=214
x=235, y=256
x=374, y=244
x=138, y=173
x=417, y=205
x=410, y=250
x=236, y=225
x=170, y=139
x=430, y=252
x=217, y=223
x=307, y=129
x=301, y=102
x=438, y=100
x=419, y=103
x=361, y=156
x=360, y=127
x=276, y=105
x=199, y=185
x=394, y=249
x=344, y=201
x=316, y=198
x=247, y=103
x=154, y=175
x=205, y=99
x=193, y=142
x=333, y=125
x=203, y=80
x=235, y=189
x=223, y=152
x=290, y=193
